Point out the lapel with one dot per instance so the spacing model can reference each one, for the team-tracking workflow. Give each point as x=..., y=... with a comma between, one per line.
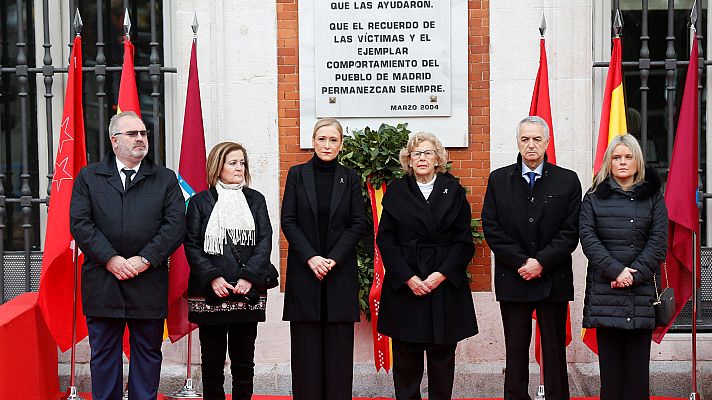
x=341, y=182
x=109, y=170
x=147, y=168
x=405, y=202
x=309, y=186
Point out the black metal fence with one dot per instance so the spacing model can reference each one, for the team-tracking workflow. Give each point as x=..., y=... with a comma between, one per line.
x=21, y=202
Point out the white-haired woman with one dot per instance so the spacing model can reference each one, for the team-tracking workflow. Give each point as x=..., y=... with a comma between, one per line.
x=623, y=230
x=425, y=240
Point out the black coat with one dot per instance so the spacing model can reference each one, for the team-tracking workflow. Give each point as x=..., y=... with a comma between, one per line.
x=543, y=227
x=301, y=228
x=419, y=237
x=623, y=229
x=204, y=268
x=148, y=220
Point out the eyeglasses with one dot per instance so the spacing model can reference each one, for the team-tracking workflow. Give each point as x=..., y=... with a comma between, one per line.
x=133, y=134
x=426, y=153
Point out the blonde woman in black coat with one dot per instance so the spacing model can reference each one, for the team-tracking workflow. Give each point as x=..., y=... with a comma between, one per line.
x=322, y=219
x=228, y=245
x=623, y=229
x=425, y=240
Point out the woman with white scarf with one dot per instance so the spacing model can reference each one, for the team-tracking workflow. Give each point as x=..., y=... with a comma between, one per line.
x=228, y=245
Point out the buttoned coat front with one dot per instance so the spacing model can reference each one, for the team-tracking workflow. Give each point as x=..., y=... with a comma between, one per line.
x=300, y=225
x=541, y=225
x=147, y=220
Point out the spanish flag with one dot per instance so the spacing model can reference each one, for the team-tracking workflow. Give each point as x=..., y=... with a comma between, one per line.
x=613, y=110
x=613, y=124
x=128, y=93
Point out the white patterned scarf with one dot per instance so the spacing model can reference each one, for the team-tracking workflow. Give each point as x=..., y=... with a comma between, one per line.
x=231, y=217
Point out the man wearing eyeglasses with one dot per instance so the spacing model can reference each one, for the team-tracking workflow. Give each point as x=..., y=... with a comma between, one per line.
x=127, y=216
x=530, y=219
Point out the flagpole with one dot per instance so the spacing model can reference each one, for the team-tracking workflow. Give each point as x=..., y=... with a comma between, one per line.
x=187, y=391
x=73, y=393
x=540, y=393
x=694, y=395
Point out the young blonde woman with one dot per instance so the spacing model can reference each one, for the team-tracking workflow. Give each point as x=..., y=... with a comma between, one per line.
x=623, y=230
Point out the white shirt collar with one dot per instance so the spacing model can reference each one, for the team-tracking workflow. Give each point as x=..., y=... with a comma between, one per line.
x=120, y=166
x=538, y=170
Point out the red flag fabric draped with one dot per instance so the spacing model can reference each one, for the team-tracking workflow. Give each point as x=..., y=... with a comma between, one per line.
x=680, y=196
x=541, y=107
x=128, y=101
x=382, y=355
x=128, y=93
x=613, y=123
x=55, y=297
x=192, y=179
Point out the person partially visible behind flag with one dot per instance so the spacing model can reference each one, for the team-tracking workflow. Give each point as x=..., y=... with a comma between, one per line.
x=623, y=229
x=680, y=197
x=57, y=288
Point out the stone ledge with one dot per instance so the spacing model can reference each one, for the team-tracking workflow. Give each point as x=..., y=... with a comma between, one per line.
x=668, y=378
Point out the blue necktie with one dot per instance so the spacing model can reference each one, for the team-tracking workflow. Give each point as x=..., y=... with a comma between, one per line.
x=532, y=180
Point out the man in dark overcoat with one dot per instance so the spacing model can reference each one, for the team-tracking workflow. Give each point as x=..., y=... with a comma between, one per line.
x=127, y=216
x=530, y=221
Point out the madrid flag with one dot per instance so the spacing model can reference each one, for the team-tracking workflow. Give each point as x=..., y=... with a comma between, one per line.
x=192, y=179
x=613, y=123
x=680, y=197
x=55, y=297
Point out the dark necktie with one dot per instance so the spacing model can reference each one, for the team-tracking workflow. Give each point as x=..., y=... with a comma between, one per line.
x=128, y=173
x=532, y=180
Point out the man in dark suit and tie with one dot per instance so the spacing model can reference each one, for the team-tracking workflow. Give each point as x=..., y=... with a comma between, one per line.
x=127, y=216
x=530, y=220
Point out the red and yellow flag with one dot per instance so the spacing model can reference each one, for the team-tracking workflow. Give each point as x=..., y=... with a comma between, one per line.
x=128, y=93
x=382, y=354
x=613, y=123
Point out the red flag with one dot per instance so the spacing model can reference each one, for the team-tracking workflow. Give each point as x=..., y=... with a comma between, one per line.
x=128, y=93
x=192, y=179
x=680, y=197
x=128, y=101
x=613, y=123
x=541, y=106
x=57, y=278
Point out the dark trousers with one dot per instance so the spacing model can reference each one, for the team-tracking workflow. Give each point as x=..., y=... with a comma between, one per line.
x=517, y=322
x=408, y=369
x=105, y=341
x=238, y=340
x=624, y=362
x=322, y=360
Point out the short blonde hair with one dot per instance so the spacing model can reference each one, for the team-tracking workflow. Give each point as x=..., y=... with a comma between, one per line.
x=631, y=143
x=216, y=160
x=328, y=122
x=414, y=142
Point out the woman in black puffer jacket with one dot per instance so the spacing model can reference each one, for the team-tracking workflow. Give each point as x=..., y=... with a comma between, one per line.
x=623, y=230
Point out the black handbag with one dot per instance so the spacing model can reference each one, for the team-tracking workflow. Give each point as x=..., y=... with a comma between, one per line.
x=664, y=303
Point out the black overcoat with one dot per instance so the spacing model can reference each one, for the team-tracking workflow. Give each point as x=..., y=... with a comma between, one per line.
x=623, y=229
x=204, y=268
x=148, y=220
x=419, y=237
x=301, y=228
x=543, y=226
